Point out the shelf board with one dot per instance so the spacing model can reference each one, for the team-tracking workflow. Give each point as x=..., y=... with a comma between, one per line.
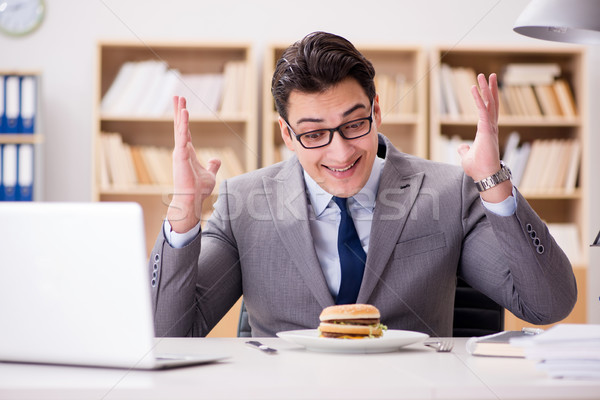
x=6, y=138
x=516, y=121
x=138, y=190
x=552, y=195
x=169, y=119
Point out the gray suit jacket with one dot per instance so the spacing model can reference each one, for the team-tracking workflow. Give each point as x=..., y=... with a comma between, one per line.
x=429, y=225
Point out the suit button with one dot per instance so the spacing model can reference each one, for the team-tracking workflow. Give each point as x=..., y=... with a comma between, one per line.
x=155, y=267
x=536, y=241
x=540, y=249
x=533, y=234
x=156, y=257
x=153, y=282
x=529, y=227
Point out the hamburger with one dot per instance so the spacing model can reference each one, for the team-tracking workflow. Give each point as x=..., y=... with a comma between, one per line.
x=351, y=321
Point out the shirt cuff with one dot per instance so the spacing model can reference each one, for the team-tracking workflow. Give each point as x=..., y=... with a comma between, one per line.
x=505, y=208
x=179, y=240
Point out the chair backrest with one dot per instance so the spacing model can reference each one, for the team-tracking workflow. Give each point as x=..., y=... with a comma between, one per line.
x=244, y=329
x=475, y=314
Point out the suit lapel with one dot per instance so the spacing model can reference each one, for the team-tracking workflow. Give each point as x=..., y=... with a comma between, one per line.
x=398, y=190
x=286, y=197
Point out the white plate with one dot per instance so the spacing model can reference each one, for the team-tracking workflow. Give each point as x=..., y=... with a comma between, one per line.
x=391, y=340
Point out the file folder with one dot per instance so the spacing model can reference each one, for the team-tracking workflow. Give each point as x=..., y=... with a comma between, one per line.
x=12, y=103
x=1, y=180
x=2, y=102
x=28, y=102
x=25, y=173
x=9, y=171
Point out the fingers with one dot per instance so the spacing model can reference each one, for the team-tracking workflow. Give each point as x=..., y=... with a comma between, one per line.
x=486, y=98
x=213, y=165
x=484, y=88
x=463, y=149
x=182, y=134
x=493, y=84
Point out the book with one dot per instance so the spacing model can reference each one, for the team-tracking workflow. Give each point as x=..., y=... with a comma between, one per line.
x=496, y=345
x=449, y=100
x=562, y=164
x=234, y=77
x=530, y=73
x=547, y=100
x=520, y=162
x=565, y=98
x=111, y=97
x=464, y=78
x=531, y=103
x=511, y=149
x=513, y=100
x=141, y=170
x=573, y=168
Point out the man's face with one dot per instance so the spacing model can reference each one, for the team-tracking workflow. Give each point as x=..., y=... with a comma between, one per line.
x=342, y=167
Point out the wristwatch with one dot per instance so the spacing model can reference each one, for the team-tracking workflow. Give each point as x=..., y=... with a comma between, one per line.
x=487, y=183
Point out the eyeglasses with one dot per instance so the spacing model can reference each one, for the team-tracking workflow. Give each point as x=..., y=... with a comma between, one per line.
x=322, y=137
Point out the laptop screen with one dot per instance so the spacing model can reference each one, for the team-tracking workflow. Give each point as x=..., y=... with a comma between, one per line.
x=74, y=287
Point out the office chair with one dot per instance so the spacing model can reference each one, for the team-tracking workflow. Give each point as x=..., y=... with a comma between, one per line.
x=244, y=329
x=475, y=314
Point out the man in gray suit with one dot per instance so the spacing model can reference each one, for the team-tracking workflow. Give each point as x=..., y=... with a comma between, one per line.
x=273, y=233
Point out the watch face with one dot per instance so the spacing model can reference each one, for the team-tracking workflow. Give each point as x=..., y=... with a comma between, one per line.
x=19, y=17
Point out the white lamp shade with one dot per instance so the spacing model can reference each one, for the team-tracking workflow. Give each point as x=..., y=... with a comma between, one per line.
x=573, y=21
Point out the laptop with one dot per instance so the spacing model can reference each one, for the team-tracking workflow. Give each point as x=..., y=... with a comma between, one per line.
x=75, y=287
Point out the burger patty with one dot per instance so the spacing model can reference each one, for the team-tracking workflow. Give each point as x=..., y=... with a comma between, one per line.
x=370, y=321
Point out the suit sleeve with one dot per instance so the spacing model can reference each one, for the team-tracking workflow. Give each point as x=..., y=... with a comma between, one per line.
x=194, y=286
x=515, y=261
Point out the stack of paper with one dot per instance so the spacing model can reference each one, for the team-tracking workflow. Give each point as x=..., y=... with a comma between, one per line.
x=565, y=351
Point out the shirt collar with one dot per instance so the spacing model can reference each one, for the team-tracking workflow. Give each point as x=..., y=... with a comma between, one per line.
x=319, y=198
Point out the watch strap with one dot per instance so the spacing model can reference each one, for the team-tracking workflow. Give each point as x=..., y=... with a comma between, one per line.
x=502, y=175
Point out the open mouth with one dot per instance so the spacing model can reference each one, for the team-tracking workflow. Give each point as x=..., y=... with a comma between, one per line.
x=342, y=169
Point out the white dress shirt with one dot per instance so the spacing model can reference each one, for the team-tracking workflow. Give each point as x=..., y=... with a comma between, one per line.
x=324, y=219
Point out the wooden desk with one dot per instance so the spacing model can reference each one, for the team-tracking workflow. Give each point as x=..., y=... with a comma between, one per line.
x=415, y=372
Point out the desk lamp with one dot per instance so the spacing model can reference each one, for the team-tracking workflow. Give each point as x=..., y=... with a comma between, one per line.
x=572, y=21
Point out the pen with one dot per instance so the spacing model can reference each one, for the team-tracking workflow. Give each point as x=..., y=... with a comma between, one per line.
x=532, y=331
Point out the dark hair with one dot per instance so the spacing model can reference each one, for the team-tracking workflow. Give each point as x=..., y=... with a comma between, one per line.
x=317, y=62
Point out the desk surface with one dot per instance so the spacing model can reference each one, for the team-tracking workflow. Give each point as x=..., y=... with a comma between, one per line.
x=415, y=372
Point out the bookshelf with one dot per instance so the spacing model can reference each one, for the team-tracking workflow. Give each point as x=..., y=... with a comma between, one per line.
x=134, y=120
x=401, y=84
x=21, y=140
x=138, y=117
x=556, y=139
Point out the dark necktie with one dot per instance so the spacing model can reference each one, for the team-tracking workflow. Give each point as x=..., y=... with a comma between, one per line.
x=352, y=256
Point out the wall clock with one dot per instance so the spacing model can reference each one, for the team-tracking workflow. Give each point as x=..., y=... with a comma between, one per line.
x=20, y=17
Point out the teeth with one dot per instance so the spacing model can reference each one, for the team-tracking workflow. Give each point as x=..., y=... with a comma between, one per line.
x=344, y=169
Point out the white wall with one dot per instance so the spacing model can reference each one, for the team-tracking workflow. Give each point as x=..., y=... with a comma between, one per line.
x=64, y=50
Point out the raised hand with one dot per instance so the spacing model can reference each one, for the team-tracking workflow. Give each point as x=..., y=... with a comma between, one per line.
x=192, y=182
x=482, y=159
